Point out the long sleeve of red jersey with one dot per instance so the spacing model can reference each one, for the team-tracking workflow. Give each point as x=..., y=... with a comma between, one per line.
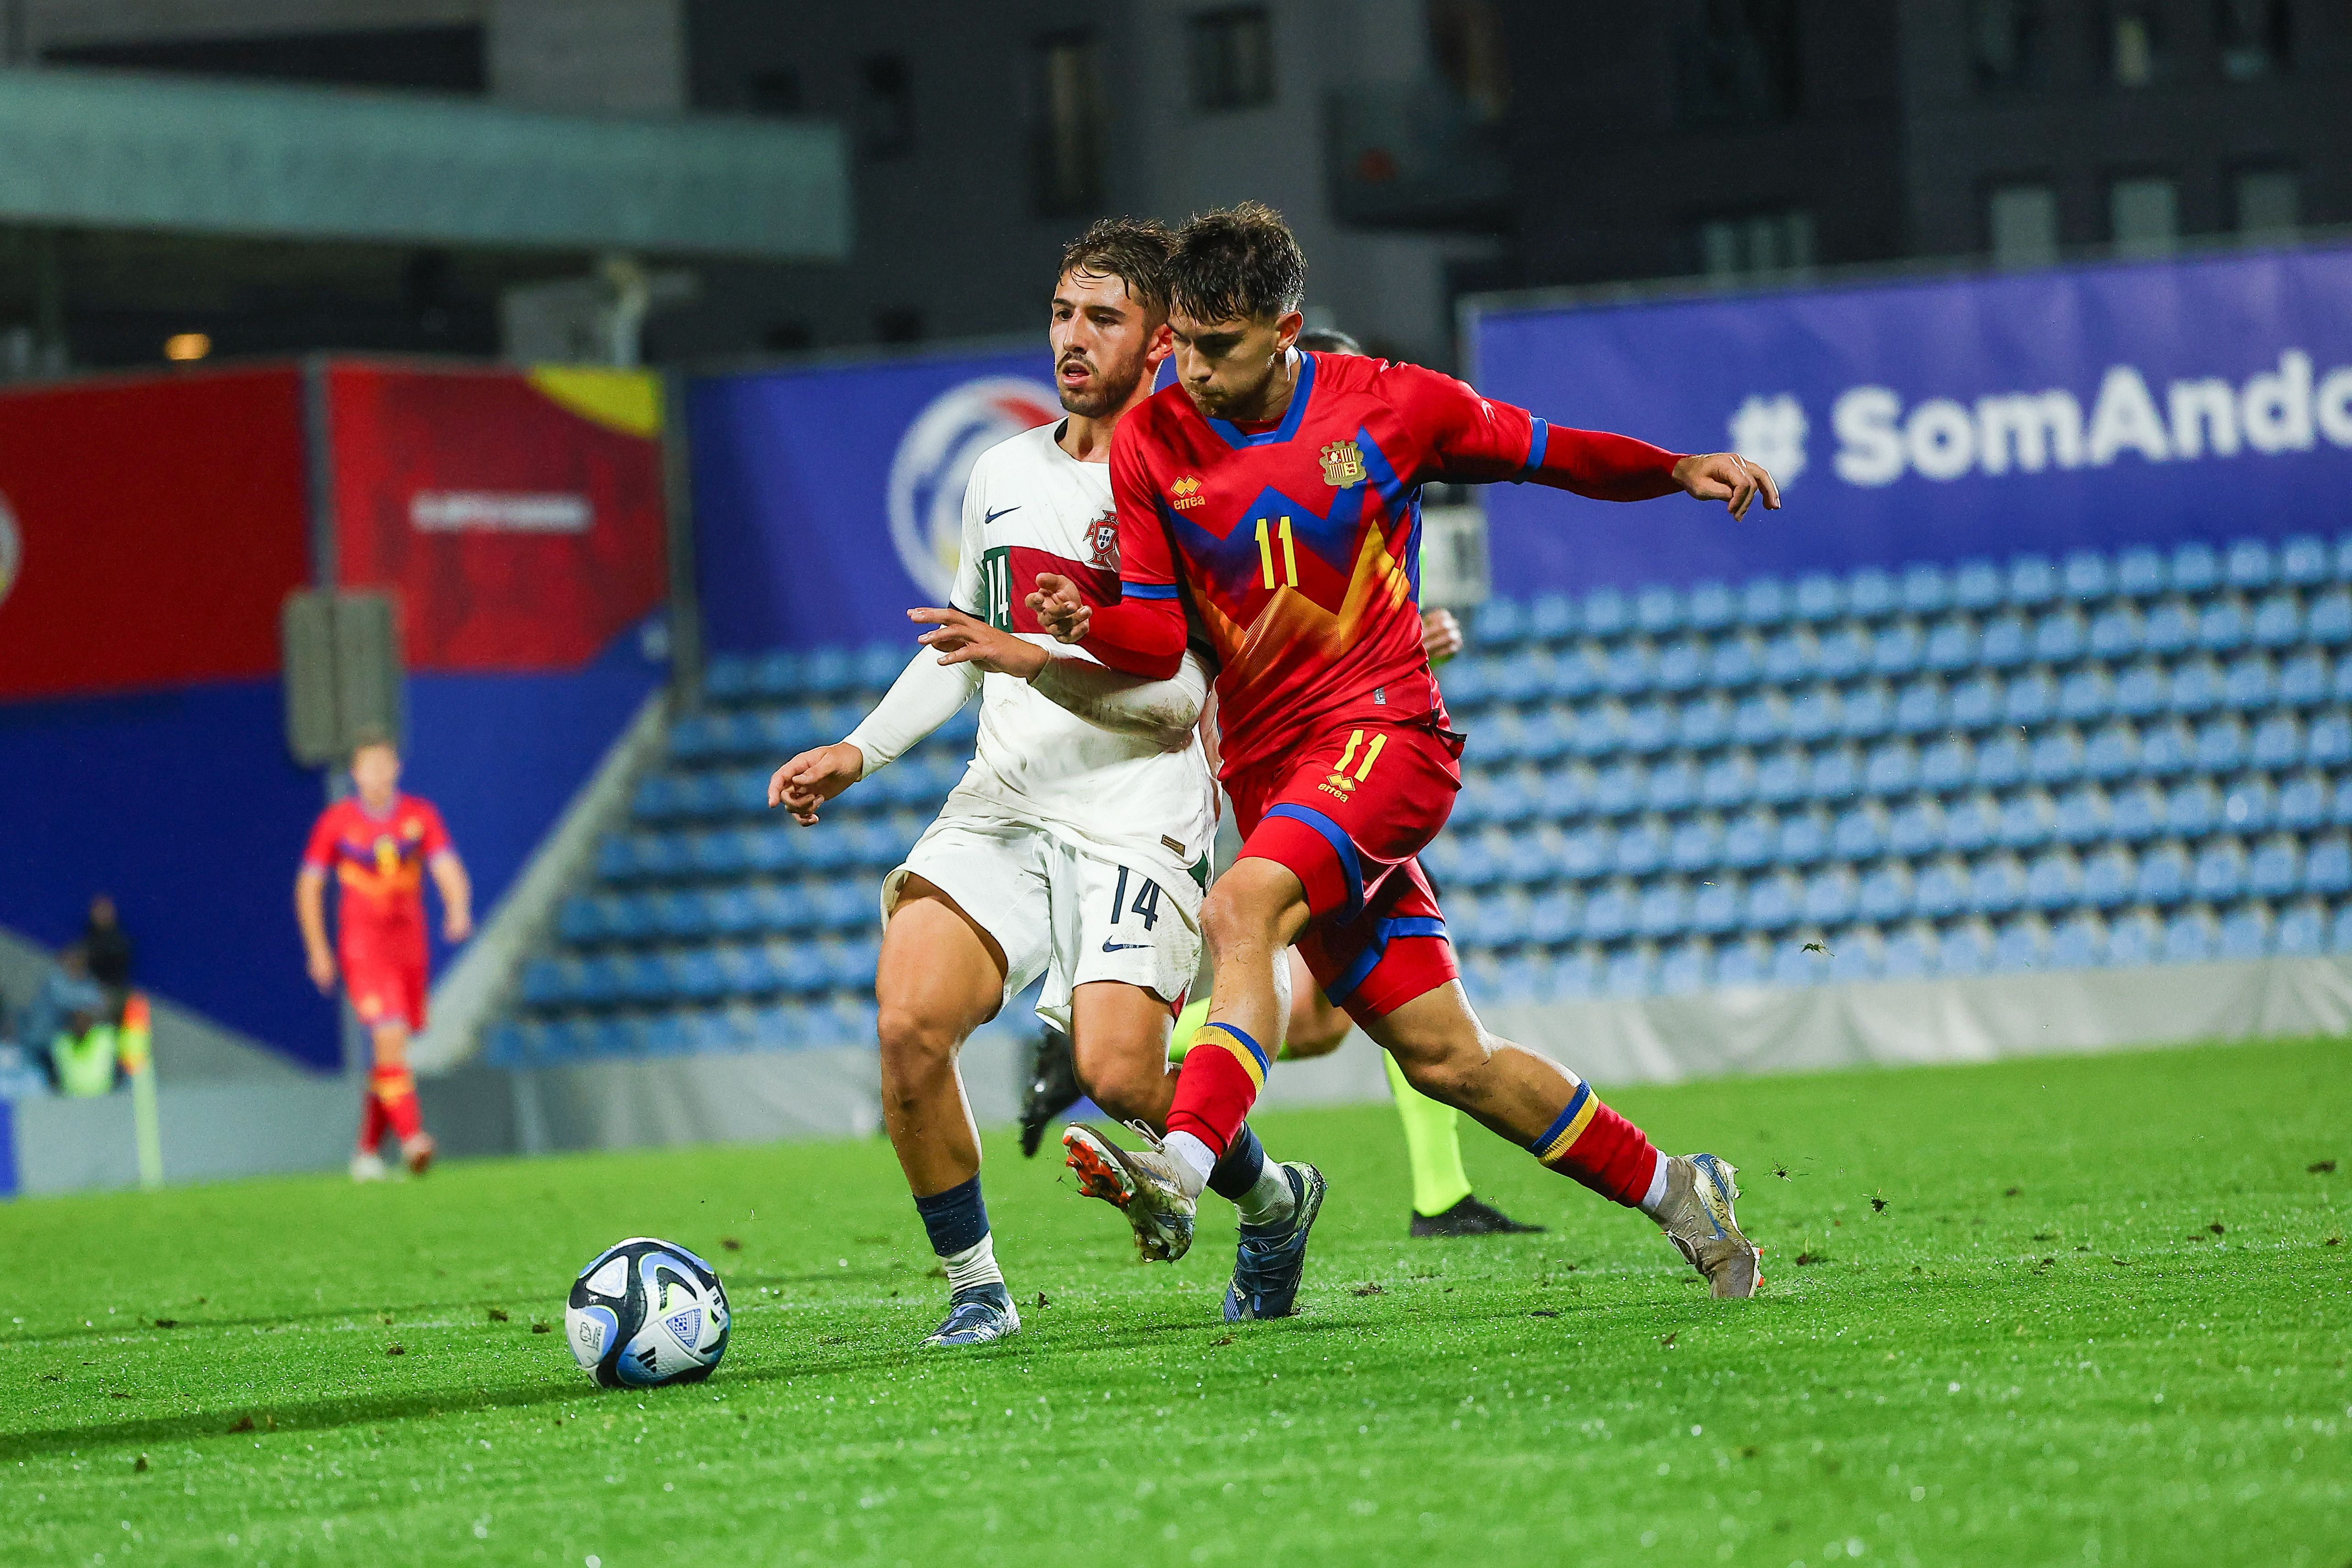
x=1144, y=632
x=1478, y=440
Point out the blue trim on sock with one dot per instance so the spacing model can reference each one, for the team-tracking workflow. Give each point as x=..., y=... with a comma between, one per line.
x=1575, y=1103
x=1232, y=1177
x=1255, y=1050
x=957, y=1219
x=1341, y=845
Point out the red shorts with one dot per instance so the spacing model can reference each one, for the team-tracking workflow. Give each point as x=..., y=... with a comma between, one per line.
x=1345, y=814
x=386, y=981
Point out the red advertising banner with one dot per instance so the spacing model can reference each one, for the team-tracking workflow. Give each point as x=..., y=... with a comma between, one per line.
x=517, y=517
x=150, y=527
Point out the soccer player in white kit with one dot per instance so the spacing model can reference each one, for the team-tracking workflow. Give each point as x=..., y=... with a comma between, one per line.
x=1076, y=845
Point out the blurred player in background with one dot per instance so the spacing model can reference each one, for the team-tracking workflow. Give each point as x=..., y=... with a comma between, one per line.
x=378, y=844
x=1076, y=845
x=1271, y=500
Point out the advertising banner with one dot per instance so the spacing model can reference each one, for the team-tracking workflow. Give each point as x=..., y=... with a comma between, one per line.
x=148, y=529
x=517, y=517
x=2087, y=407
x=827, y=501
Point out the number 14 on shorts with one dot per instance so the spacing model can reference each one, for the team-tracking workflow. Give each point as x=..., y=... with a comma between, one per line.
x=1145, y=906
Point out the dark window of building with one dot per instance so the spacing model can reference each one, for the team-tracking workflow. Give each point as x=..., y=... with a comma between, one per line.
x=775, y=91
x=2136, y=46
x=902, y=324
x=2143, y=214
x=1756, y=242
x=886, y=106
x=1465, y=39
x=2005, y=44
x=2252, y=35
x=1071, y=126
x=433, y=60
x=1739, y=62
x=2268, y=203
x=2021, y=224
x=1233, y=58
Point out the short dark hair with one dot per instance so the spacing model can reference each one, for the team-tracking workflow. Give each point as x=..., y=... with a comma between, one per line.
x=1329, y=340
x=1133, y=250
x=1236, y=262
x=369, y=735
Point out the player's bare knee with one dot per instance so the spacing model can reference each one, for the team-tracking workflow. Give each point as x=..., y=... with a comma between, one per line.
x=1446, y=1067
x=915, y=1040
x=1255, y=904
x=1129, y=1079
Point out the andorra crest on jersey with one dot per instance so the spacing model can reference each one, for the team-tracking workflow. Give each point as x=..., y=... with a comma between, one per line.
x=1186, y=492
x=1102, y=542
x=1343, y=464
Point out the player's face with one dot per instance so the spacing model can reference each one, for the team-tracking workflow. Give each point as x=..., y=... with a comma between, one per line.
x=1105, y=344
x=375, y=771
x=1230, y=369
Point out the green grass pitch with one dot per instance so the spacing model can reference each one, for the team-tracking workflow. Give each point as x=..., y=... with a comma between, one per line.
x=2101, y=1318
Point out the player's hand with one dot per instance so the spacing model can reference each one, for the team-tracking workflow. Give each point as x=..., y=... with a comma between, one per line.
x=322, y=970
x=813, y=778
x=961, y=638
x=456, y=925
x=1727, y=477
x=1441, y=635
x=1061, y=612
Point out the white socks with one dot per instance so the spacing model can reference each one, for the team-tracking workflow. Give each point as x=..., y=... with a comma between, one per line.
x=1269, y=1200
x=1192, y=1160
x=1654, y=1199
x=975, y=1265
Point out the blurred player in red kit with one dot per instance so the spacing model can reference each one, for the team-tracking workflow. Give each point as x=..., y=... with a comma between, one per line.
x=1269, y=502
x=378, y=843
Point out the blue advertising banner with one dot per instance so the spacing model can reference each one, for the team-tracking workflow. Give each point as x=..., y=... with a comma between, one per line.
x=827, y=501
x=2091, y=407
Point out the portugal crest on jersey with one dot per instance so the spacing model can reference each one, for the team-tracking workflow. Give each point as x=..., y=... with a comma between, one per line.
x=1343, y=464
x=1102, y=539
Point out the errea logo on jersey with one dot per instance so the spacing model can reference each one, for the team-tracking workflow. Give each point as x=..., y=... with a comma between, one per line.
x=1186, y=492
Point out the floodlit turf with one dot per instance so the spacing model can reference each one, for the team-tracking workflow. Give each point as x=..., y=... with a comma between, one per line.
x=2101, y=1318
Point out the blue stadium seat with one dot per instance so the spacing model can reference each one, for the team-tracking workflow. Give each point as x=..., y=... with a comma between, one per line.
x=1927, y=589
x=1996, y=884
x=2135, y=939
x=1791, y=656
x=1856, y=955
x=2222, y=745
x=1860, y=833
x=2079, y=942
x=1820, y=598
x=2117, y=632
x=2110, y=878
x=2330, y=623
x=1683, y=665
x=2195, y=568
x=2302, y=802
x=2086, y=577
x=2029, y=820
x=1910, y=954
x=2167, y=750
x=2303, y=681
x=2276, y=869
x=2021, y=944
x=2061, y=637
x=2164, y=874
x=1837, y=775
x=1744, y=965
x=2301, y=932
x=1737, y=661
x=1686, y=968
x=2219, y=874
x=1784, y=777
x=2250, y=682
x=2140, y=573
x=1617, y=789
x=1586, y=853
x=1813, y=715
x=2191, y=936
x=1631, y=972
x=1898, y=649
x=2250, y=565
x=1752, y=841
x=1764, y=603
x=1923, y=707
x=1696, y=843
x=1972, y=824
x=2341, y=681
x=2057, y=757
x=2113, y=754
x=2329, y=743
x=2002, y=759
x=1556, y=917
x=2196, y=688
x=1650, y=727
x=2032, y=581
x=1658, y=609
x=2139, y=814
x=1761, y=719
x=1599, y=731
x=1775, y=902
x=1978, y=585
x=1498, y=622
x=2084, y=815
x=1509, y=801
x=1464, y=681
x=1664, y=909
x=1609, y=911
x=1804, y=839
x=1966, y=948
x=1948, y=765
x=677, y=917
x=1915, y=828
x=778, y=675
x=1842, y=652
x=1568, y=792
x=1867, y=711
x=1794, y=968
x=1891, y=770
x=2224, y=626
x=1673, y=785
x=2339, y=931
x=1640, y=848
x=581, y=919
x=2249, y=804
x=1605, y=614
x=1831, y=895
x=2303, y=561
x=2277, y=744
x=1703, y=723
x=1977, y=703
x=844, y=904
x=1871, y=595
x=1710, y=607
x=2193, y=809
x=1940, y=890
x=2144, y=690
x=2170, y=629
x=1551, y=618
x=2328, y=867
x=1886, y=893
x=1952, y=646
x=2246, y=931
x=2278, y=621
x=828, y=672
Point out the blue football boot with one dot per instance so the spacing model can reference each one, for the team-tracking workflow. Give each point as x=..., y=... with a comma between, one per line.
x=977, y=1314
x=1271, y=1258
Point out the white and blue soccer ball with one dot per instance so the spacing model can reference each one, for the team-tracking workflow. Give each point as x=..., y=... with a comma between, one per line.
x=647, y=1312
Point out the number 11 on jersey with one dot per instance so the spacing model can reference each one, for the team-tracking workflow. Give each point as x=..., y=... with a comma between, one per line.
x=1289, y=554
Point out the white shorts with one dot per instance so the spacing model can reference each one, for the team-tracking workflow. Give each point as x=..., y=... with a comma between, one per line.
x=1058, y=911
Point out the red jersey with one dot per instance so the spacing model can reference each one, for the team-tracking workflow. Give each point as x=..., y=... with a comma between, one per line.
x=1296, y=547
x=378, y=861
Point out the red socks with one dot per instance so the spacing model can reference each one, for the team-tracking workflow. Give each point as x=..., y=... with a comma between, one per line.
x=395, y=1090
x=372, y=1122
x=1222, y=1072
x=1598, y=1147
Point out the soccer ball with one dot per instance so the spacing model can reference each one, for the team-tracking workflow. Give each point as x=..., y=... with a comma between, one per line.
x=647, y=1312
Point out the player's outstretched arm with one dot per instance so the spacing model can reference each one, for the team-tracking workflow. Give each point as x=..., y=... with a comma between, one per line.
x=1729, y=477
x=1162, y=712
x=310, y=914
x=456, y=891
x=814, y=776
x=1139, y=636
x=925, y=696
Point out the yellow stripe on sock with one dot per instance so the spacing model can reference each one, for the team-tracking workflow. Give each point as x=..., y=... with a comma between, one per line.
x=1573, y=1131
x=1208, y=1034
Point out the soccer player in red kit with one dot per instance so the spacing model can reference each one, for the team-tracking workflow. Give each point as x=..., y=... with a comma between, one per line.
x=378, y=844
x=1270, y=501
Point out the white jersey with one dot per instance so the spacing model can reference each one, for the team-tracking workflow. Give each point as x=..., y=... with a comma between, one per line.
x=1032, y=507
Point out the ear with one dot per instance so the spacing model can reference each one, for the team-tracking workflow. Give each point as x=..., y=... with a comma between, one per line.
x=1286, y=327
x=1159, y=346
